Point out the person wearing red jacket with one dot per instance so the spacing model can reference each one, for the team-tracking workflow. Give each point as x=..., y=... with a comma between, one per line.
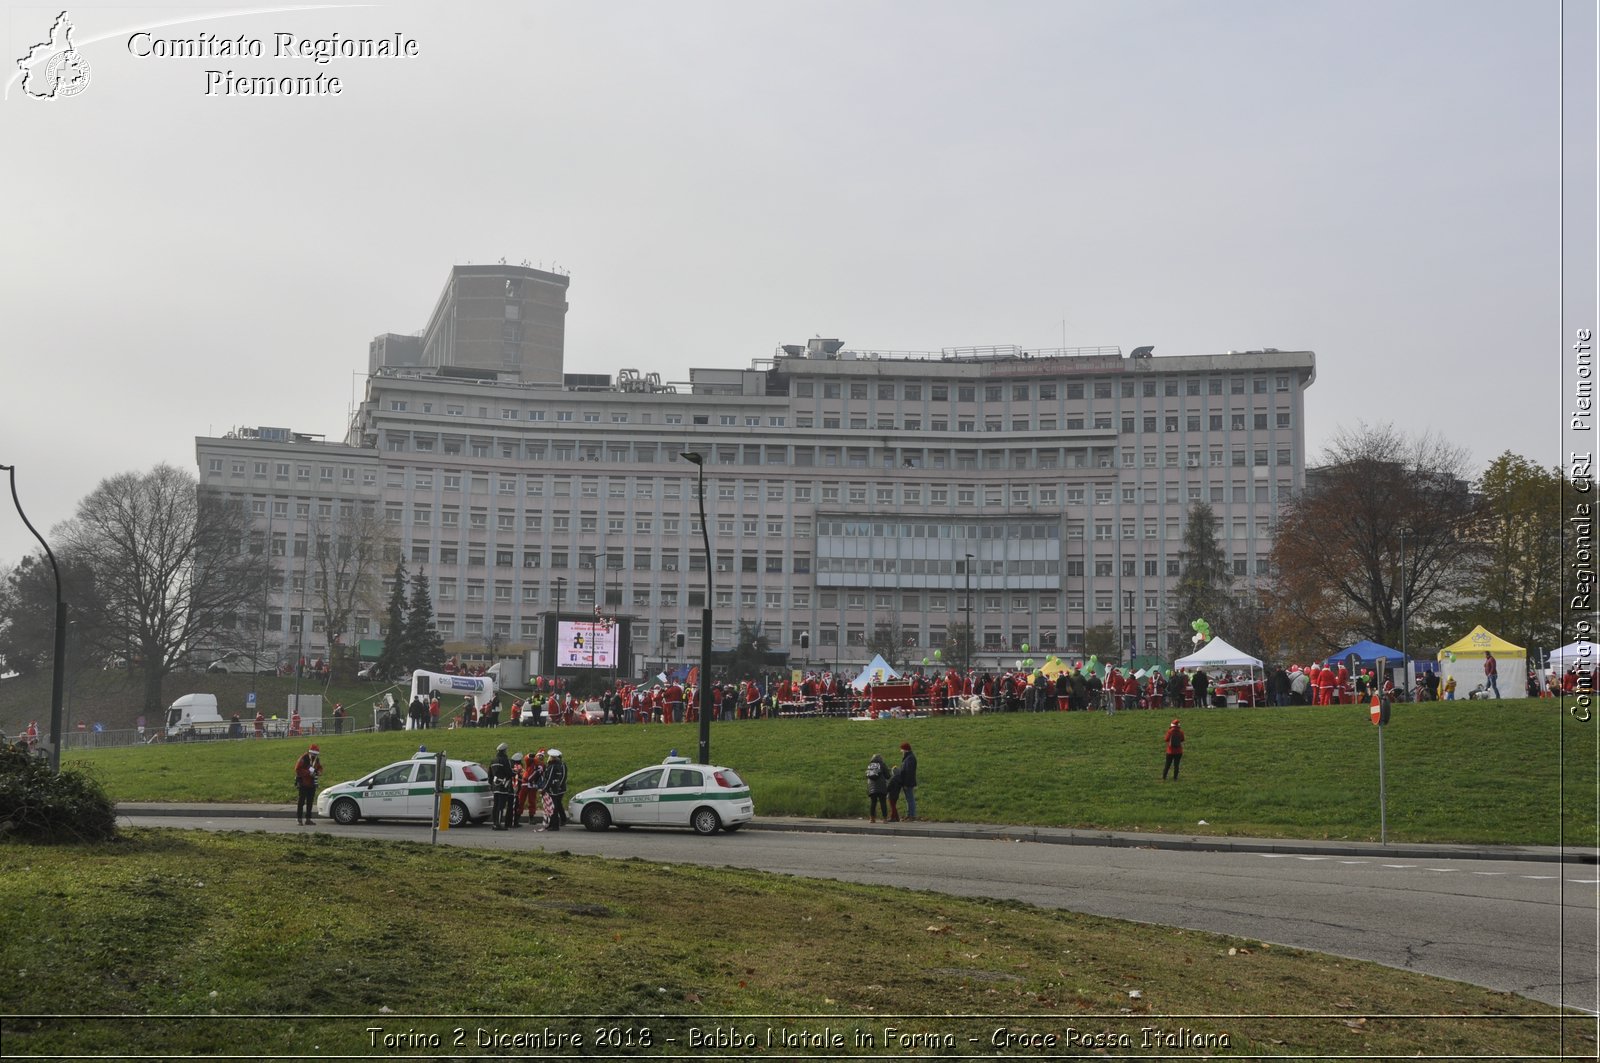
x=307, y=770
x=1174, y=740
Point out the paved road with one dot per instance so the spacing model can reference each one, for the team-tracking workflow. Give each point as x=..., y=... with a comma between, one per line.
x=1520, y=920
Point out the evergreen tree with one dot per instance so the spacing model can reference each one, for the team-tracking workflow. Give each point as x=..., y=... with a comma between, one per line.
x=1205, y=582
x=748, y=659
x=422, y=636
x=396, y=656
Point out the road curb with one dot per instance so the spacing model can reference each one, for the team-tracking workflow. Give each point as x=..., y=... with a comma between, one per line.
x=1038, y=835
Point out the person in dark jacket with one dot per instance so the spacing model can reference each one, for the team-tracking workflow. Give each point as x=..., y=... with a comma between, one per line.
x=877, y=787
x=1201, y=684
x=555, y=784
x=904, y=782
x=503, y=783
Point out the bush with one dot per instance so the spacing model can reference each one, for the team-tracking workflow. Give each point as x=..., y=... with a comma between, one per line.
x=37, y=804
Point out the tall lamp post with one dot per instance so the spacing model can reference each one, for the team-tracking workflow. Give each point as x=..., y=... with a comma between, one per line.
x=703, y=687
x=971, y=637
x=555, y=658
x=1133, y=646
x=1405, y=660
x=59, y=668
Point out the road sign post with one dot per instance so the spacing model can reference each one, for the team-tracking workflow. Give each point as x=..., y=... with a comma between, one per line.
x=1380, y=720
x=441, y=817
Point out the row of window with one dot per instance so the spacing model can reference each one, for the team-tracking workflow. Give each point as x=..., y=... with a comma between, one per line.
x=301, y=473
x=840, y=493
x=890, y=391
x=881, y=391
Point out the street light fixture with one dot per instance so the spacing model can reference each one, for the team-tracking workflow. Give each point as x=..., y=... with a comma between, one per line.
x=703, y=687
x=971, y=638
x=59, y=668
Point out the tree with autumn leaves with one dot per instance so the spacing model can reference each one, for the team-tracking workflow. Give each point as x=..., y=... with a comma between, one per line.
x=1388, y=519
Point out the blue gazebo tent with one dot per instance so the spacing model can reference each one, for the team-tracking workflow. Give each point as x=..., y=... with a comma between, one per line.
x=1368, y=652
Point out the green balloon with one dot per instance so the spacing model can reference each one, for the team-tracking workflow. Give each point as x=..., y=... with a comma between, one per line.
x=938, y=655
x=1024, y=647
x=924, y=662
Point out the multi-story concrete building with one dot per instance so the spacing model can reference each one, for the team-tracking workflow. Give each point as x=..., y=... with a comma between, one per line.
x=1038, y=492
x=511, y=320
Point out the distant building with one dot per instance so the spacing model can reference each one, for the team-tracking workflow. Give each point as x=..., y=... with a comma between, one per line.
x=510, y=320
x=848, y=492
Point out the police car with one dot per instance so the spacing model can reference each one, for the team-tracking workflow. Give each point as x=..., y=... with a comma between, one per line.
x=674, y=793
x=404, y=790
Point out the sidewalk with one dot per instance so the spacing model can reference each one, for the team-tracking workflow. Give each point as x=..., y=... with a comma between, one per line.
x=1040, y=835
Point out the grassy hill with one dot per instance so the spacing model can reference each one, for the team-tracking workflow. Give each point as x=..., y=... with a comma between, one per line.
x=1509, y=772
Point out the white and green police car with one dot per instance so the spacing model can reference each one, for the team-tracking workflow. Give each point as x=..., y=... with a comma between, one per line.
x=674, y=793
x=404, y=790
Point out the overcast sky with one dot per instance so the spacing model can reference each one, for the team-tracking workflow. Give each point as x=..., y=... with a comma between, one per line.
x=1373, y=181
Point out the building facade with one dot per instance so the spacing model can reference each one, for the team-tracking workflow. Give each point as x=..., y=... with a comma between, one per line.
x=1037, y=493
x=510, y=320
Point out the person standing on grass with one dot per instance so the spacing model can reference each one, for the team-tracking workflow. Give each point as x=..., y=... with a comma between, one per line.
x=906, y=776
x=306, y=772
x=1491, y=673
x=1174, y=740
x=877, y=787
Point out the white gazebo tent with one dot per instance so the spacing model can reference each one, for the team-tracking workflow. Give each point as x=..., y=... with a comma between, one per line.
x=1218, y=654
x=877, y=671
x=1581, y=653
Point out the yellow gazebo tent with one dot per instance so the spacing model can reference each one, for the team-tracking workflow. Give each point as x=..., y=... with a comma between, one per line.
x=1464, y=660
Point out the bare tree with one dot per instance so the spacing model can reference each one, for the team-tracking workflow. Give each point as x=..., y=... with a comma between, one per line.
x=1338, y=546
x=347, y=555
x=888, y=641
x=171, y=566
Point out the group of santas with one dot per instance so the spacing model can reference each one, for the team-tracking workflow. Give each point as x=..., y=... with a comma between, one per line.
x=1335, y=686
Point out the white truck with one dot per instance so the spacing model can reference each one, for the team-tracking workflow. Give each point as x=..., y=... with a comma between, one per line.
x=196, y=716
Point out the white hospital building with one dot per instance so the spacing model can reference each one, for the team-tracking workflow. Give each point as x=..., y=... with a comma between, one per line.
x=848, y=491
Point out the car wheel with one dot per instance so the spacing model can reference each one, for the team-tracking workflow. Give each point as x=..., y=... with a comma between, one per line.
x=345, y=812
x=705, y=821
x=458, y=814
x=595, y=817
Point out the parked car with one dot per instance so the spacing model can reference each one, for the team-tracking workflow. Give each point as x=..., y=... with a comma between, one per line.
x=238, y=663
x=674, y=793
x=404, y=790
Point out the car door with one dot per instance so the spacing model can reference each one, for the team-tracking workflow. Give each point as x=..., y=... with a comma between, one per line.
x=636, y=799
x=387, y=792
x=419, y=795
x=680, y=794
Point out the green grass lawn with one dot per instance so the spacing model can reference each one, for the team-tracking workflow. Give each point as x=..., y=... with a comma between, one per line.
x=1510, y=772
x=169, y=943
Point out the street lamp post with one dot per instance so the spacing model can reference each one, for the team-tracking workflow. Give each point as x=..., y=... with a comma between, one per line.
x=555, y=658
x=1133, y=647
x=704, y=686
x=59, y=668
x=971, y=638
x=1405, y=661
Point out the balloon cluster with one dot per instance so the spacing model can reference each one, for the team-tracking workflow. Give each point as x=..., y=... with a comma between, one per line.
x=1202, y=631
